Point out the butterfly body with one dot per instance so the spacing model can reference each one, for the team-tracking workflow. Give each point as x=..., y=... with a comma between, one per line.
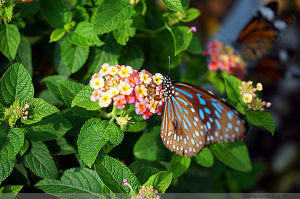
x=194, y=118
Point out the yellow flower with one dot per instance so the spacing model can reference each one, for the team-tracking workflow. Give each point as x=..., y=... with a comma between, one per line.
x=141, y=90
x=224, y=57
x=247, y=98
x=97, y=83
x=113, y=70
x=105, y=100
x=125, y=88
x=158, y=78
x=153, y=106
x=145, y=78
x=259, y=87
x=125, y=71
x=113, y=91
x=104, y=69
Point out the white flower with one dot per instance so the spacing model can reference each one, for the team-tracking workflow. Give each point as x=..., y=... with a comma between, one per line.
x=113, y=70
x=97, y=83
x=247, y=98
x=113, y=91
x=259, y=87
x=104, y=69
x=145, y=78
x=105, y=100
x=158, y=78
x=125, y=88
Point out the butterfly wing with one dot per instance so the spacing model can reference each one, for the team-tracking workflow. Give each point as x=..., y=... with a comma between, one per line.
x=194, y=118
x=257, y=38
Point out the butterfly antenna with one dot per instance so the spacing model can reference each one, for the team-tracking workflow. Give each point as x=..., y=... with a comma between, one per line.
x=169, y=64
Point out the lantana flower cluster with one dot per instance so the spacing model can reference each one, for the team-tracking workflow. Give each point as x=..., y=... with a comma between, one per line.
x=249, y=96
x=146, y=192
x=223, y=57
x=15, y=112
x=120, y=85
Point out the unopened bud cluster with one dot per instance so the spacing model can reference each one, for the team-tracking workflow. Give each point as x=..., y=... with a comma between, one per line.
x=15, y=112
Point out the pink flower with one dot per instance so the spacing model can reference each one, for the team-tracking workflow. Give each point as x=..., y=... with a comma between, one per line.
x=147, y=114
x=131, y=99
x=213, y=65
x=120, y=101
x=140, y=107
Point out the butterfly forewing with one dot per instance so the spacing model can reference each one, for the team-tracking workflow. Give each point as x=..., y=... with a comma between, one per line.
x=194, y=118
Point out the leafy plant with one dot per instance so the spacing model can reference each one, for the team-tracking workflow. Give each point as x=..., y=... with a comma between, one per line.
x=46, y=119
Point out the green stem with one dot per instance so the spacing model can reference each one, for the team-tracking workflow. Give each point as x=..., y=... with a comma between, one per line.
x=113, y=114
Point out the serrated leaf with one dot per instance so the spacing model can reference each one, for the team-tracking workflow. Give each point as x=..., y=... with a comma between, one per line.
x=6, y=11
x=92, y=137
x=260, y=118
x=9, y=40
x=149, y=146
x=107, y=53
x=15, y=84
x=204, y=158
x=190, y=15
x=179, y=165
x=3, y=134
x=39, y=161
x=145, y=173
x=12, y=145
x=235, y=155
x=112, y=173
x=57, y=34
x=11, y=189
x=174, y=5
x=52, y=85
x=73, y=56
x=24, y=54
x=84, y=35
x=56, y=12
x=232, y=87
x=24, y=147
x=83, y=99
x=160, y=181
x=133, y=56
x=116, y=136
x=110, y=14
x=182, y=38
x=49, y=128
x=38, y=109
x=6, y=168
x=68, y=90
x=124, y=32
x=75, y=180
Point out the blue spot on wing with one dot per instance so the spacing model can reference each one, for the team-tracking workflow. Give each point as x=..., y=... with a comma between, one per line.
x=189, y=123
x=201, y=100
x=185, y=93
x=177, y=113
x=218, y=124
x=207, y=110
x=230, y=115
x=201, y=113
x=217, y=107
x=184, y=102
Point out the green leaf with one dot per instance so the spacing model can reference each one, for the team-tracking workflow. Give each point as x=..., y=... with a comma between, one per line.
x=39, y=161
x=84, y=35
x=92, y=137
x=6, y=11
x=195, y=46
x=111, y=13
x=38, y=109
x=190, y=15
x=260, y=118
x=75, y=180
x=15, y=84
x=12, y=145
x=73, y=56
x=3, y=134
x=68, y=90
x=107, y=53
x=137, y=165
x=112, y=173
x=6, y=168
x=150, y=146
x=145, y=173
x=179, y=165
x=204, y=158
x=81, y=14
x=48, y=128
x=182, y=38
x=137, y=127
x=160, y=181
x=52, y=85
x=24, y=54
x=58, y=62
x=235, y=155
x=116, y=136
x=64, y=147
x=9, y=40
x=24, y=147
x=11, y=189
x=232, y=88
x=57, y=34
x=124, y=32
x=174, y=5
x=83, y=99
x=56, y=12
x=133, y=56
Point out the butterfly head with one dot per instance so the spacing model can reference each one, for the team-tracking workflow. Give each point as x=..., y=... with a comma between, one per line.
x=168, y=87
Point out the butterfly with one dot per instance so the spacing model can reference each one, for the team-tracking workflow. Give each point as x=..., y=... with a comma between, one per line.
x=194, y=118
